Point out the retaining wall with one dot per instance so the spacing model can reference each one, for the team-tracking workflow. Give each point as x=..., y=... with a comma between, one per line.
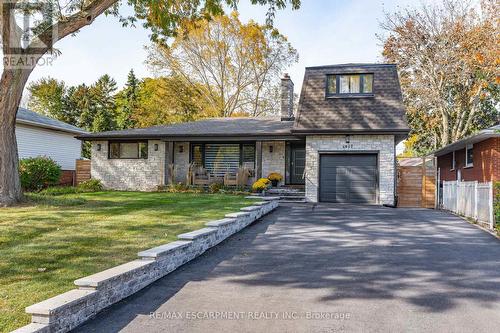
x=98, y=291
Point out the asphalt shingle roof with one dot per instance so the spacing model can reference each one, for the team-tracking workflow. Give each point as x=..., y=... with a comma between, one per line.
x=29, y=117
x=383, y=111
x=490, y=132
x=205, y=127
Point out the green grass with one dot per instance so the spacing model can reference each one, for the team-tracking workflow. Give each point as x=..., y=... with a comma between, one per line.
x=50, y=241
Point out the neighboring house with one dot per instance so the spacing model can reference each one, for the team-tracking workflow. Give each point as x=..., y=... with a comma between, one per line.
x=341, y=145
x=38, y=135
x=476, y=157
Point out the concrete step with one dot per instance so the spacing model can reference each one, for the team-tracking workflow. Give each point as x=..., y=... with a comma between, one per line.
x=284, y=192
x=292, y=197
x=294, y=194
x=293, y=201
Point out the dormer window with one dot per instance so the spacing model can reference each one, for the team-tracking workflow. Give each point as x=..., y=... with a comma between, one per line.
x=345, y=85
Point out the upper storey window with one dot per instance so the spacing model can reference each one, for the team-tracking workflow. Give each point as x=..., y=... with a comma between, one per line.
x=349, y=85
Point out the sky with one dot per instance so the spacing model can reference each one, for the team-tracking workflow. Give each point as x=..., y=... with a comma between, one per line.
x=323, y=31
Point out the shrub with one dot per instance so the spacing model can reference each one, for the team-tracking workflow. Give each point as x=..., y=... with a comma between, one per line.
x=215, y=187
x=37, y=173
x=274, y=176
x=260, y=185
x=91, y=185
x=177, y=188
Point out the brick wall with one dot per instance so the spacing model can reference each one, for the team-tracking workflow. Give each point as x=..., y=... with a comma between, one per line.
x=486, y=163
x=129, y=174
x=384, y=144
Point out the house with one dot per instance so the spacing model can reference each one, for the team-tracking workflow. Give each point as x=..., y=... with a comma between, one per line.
x=38, y=135
x=340, y=146
x=475, y=158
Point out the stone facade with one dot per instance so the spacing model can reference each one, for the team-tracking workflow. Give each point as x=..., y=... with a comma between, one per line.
x=286, y=97
x=148, y=174
x=275, y=161
x=181, y=161
x=96, y=292
x=383, y=144
x=129, y=174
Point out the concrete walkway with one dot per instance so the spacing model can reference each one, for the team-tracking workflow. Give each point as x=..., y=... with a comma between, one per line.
x=329, y=268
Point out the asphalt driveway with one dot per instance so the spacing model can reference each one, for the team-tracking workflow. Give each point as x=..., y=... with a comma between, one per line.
x=329, y=268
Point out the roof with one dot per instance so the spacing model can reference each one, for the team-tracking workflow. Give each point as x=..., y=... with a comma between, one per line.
x=482, y=135
x=381, y=112
x=213, y=127
x=25, y=116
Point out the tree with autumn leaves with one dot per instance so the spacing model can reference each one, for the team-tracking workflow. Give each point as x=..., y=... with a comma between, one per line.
x=237, y=65
x=448, y=56
x=60, y=19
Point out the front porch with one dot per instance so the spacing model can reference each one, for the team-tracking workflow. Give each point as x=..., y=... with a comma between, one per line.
x=204, y=162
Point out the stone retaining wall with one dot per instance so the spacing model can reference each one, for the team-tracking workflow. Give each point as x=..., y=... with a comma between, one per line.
x=66, y=311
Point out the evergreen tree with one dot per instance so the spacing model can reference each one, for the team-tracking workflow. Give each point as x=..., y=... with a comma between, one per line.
x=102, y=104
x=127, y=102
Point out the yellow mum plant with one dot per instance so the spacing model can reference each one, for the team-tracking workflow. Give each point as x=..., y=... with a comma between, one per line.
x=260, y=185
x=264, y=180
x=274, y=176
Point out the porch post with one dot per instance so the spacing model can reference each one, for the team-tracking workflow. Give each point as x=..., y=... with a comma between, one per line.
x=169, y=159
x=258, y=166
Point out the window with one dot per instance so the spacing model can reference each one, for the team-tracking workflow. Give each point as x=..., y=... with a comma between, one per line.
x=349, y=84
x=469, y=155
x=220, y=158
x=453, y=161
x=128, y=150
x=197, y=155
x=248, y=156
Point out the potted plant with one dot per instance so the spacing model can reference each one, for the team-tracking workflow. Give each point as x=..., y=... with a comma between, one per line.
x=275, y=178
x=260, y=185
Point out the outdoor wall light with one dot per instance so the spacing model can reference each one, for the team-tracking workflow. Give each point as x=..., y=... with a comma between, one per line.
x=156, y=147
x=181, y=149
x=98, y=147
x=347, y=139
x=271, y=149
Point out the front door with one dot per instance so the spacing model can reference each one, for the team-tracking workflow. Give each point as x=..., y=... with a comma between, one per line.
x=297, y=164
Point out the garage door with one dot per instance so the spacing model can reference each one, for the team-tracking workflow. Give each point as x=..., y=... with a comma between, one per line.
x=348, y=178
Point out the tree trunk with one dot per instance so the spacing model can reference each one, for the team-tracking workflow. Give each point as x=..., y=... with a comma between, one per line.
x=445, y=132
x=11, y=89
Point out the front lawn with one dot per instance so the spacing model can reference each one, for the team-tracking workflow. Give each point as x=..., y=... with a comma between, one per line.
x=47, y=244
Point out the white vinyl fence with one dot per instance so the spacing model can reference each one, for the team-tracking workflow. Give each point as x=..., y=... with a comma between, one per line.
x=471, y=199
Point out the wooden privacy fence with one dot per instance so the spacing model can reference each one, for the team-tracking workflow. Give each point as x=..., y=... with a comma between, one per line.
x=416, y=182
x=470, y=199
x=82, y=170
